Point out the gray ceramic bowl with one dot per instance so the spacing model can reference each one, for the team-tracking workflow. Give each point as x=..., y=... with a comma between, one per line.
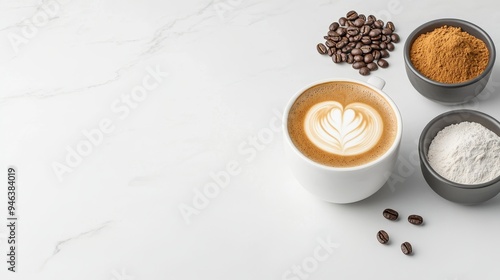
x=465, y=194
x=449, y=94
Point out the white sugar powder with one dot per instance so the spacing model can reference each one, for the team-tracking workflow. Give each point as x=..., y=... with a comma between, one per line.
x=466, y=153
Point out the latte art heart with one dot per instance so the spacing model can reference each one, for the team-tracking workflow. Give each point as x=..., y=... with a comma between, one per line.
x=350, y=130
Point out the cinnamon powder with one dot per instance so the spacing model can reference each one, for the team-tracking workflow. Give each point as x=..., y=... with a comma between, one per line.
x=449, y=55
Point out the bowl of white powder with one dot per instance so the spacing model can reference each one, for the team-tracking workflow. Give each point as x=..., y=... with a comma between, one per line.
x=460, y=156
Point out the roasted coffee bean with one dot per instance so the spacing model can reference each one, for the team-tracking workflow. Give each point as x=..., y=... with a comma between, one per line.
x=362, y=16
x=334, y=26
x=358, y=45
x=331, y=51
x=383, y=63
x=374, y=32
x=383, y=45
x=375, y=46
x=358, y=65
x=390, y=46
x=350, y=59
x=341, y=31
x=366, y=40
x=382, y=236
x=406, y=248
x=352, y=30
x=357, y=38
x=346, y=49
x=345, y=39
x=330, y=43
x=343, y=57
x=376, y=55
x=364, y=71
x=390, y=25
x=322, y=48
x=366, y=49
x=377, y=38
x=340, y=44
x=358, y=58
x=339, y=51
x=415, y=219
x=365, y=30
x=359, y=22
x=388, y=39
x=395, y=38
x=351, y=15
x=390, y=214
x=379, y=23
x=386, y=31
x=356, y=51
x=372, y=66
x=368, y=58
x=384, y=54
x=332, y=33
x=337, y=58
x=342, y=21
x=335, y=38
x=349, y=23
x=370, y=19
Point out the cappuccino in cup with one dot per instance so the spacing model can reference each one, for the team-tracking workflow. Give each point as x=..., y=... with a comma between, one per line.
x=342, y=124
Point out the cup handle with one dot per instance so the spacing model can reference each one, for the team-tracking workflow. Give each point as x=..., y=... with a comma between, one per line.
x=376, y=82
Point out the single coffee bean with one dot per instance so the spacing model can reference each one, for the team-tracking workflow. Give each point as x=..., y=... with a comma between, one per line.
x=386, y=31
x=342, y=21
x=372, y=66
x=377, y=38
x=357, y=38
x=368, y=58
x=366, y=49
x=346, y=49
x=406, y=248
x=341, y=31
x=332, y=33
x=390, y=25
x=352, y=30
x=383, y=45
x=350, y=59
x=330, y=43
x=366, y=40
x=382, y=236
x=340, y=44
x=375, y=46
x=331, y=51
x=335, y=38
x=374, y=32
x=339, y=51
x=358, y=58
x=358, y=65
x=362, y=16
x=370, y=19
x=351, y=15
x=383, y=63
x=343, y=57
x=379, y=23
x=376, y=55
x=356, y=51
x=358, y=45
x=365, y=30
x=390, y=214
x=395, y=38
x=364, y=71
x=337, y=58
x=359, y=22
x=388, y=39
x=384, y=54
x=390, y=46
x=349, y=23
x=345, y=39
x=334, y=26
x=415, y=219
x=322, y=48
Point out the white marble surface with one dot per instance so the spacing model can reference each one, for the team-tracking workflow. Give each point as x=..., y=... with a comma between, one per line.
x=224, y=71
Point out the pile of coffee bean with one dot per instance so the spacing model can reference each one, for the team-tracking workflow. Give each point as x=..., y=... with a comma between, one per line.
x=391, y=214
x=364, y=42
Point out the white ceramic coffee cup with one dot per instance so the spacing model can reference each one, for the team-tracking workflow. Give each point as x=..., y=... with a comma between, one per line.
x=343, y=184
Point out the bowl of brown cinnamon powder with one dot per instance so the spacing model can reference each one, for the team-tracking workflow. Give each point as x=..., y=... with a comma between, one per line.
x=449, y=60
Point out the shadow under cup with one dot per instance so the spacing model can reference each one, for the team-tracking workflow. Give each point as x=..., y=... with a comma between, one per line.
x=343, y=184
